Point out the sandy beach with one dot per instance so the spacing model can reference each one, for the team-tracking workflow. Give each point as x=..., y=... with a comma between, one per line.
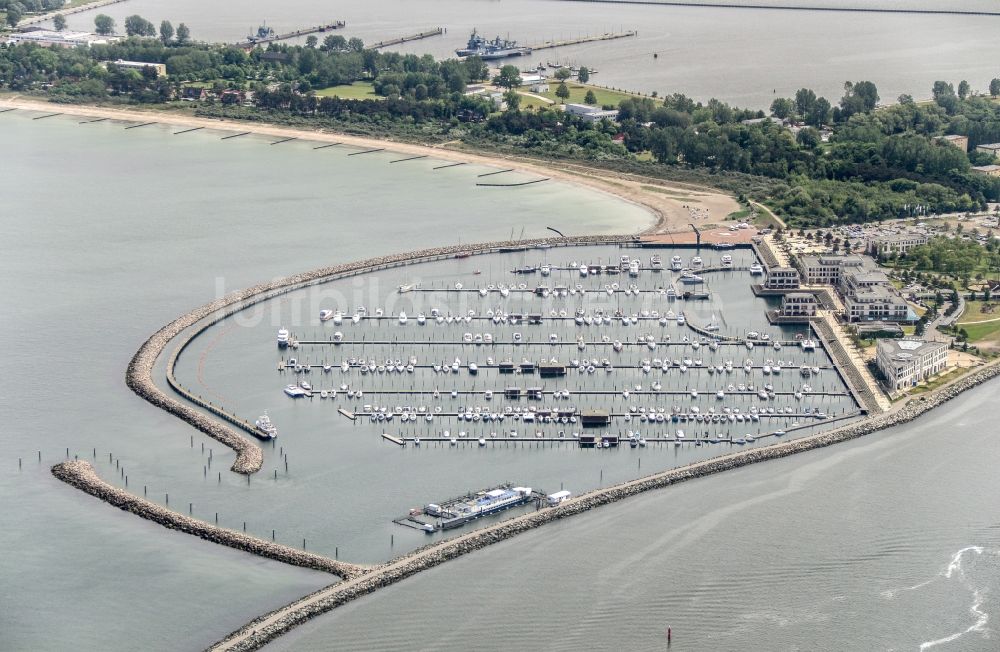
x=672, y=206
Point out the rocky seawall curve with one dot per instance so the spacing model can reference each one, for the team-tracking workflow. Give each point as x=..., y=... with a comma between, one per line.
x=257, y=633
x=81, y=474
x=249, y=456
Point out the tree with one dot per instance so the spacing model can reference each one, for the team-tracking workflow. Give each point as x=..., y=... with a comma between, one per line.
x=334, y=43
x=355, y=44
x=995, y=87
x=805, y=98
x=104, y=24
x=963, y=89
x=782, y=107
x=563, y=74
x=590, y=98
x=183, y=34
x=513, y=100
x=583, y=75
x=59, y=22
x=14, y=14
x=136, y=25
x=509, y=77
x=166, y=31
x=819, y=113
x=562, y=92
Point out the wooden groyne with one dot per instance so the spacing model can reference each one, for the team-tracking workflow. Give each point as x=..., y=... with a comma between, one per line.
x=607, y=36
x=437, y=31
x=81, y=475
x=257, y=633
x=305, y=31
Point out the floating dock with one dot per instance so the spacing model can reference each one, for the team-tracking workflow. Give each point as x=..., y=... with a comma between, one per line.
x=456, y=512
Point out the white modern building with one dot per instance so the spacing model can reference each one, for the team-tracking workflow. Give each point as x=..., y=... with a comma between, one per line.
x=906, y=362
x=51, y=38
x=590, y=113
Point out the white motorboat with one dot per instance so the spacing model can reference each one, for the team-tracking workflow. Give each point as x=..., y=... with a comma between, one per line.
x=325, y=314
x=282, y=338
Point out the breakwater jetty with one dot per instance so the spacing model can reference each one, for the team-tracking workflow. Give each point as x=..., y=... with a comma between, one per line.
x=249, y=456
x=606, y=36
x=437, y=31
x=41, y=18
x=254, y=41
x=257, y=633
x=81, y=475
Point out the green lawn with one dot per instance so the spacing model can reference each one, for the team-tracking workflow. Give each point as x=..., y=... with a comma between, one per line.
x=978, y=311
x=360, y=90
x=577, y=92
x=986, y=333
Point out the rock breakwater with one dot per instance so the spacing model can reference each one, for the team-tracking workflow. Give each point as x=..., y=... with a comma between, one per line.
x=257, y=633
x=249, y=456
x=81, y=475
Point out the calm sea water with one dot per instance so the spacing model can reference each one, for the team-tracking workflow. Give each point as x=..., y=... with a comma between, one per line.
x=891, y=542
x=742, y=56
x=106, y=236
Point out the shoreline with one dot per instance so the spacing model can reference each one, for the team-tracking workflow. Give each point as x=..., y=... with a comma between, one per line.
x=667, y=213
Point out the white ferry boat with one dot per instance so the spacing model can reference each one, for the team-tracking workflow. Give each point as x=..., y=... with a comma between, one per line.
x=264, y=428
x=485, y=503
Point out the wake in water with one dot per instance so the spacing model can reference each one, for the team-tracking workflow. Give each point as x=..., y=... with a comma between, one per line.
x=955, y=570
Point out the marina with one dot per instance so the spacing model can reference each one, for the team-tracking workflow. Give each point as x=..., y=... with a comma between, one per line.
x=499, y=363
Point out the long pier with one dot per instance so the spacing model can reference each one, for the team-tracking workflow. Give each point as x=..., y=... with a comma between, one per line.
x=326, y=27
x=437, y=31
x=607, y=36
x=41, y=18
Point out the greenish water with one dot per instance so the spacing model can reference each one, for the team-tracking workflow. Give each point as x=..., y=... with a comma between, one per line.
x=107, y=235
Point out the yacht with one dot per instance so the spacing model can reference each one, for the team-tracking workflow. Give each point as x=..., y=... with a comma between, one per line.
x=402, y=318
x=265, y=429
x=295, y=391
x=808, y=345
x=407, y=287
x=325, y=315
x=691, y=278
x=655, y=263
x=697, y=262
x=756, y=269
x=676, y=263
x=282, y=338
